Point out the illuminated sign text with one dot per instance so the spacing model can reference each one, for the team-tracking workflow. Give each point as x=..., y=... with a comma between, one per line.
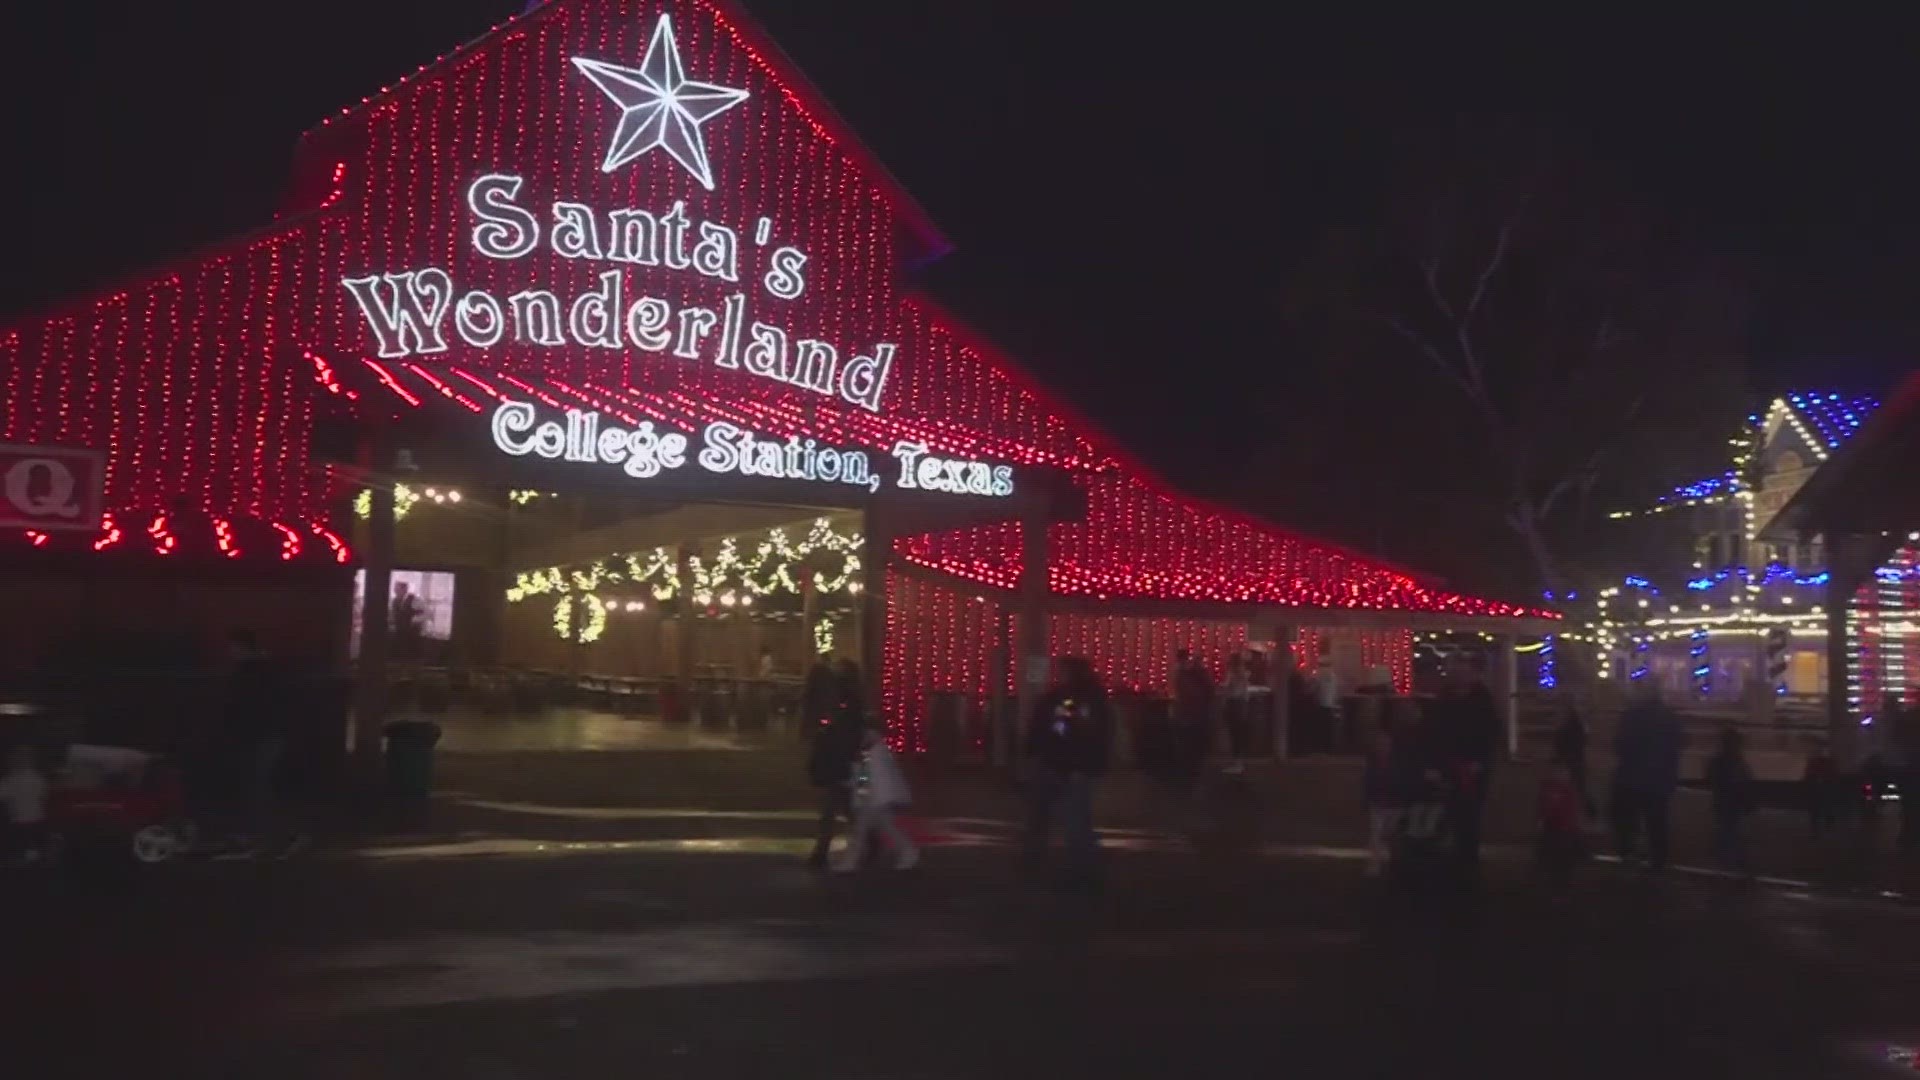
x=644, y=451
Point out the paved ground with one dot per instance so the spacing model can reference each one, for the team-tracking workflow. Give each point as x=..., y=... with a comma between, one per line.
x=640, y=911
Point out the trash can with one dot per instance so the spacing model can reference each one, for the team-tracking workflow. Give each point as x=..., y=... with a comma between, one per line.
x=410, y=746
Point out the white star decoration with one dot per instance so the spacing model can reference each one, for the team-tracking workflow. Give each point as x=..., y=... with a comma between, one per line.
x=660, y=106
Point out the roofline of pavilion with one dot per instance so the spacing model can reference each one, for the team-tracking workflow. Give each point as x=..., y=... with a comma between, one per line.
x=1224, y=611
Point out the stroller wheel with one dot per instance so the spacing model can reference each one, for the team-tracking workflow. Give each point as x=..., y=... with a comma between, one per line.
x=155, y=844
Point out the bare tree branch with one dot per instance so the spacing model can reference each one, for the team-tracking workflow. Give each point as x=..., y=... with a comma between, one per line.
x=1427, y=350
x=1607, y=335
x=1533, y=295
x=1493, y=262
x=1431, y=272
x=1475, y=373
x=1544, y=506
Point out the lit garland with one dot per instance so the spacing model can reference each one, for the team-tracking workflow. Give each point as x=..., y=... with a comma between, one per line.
x=728, y=579
x=591, y=627
x=768, y=570
x=404, y=499
x=823, y=635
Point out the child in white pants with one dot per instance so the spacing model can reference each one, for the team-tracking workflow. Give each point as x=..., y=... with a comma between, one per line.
x=879, y=789
x=1383, y=812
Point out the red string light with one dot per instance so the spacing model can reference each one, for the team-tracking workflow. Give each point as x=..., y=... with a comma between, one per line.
x=289, y=542
x=387, y=380
x=337, y=189
x=223, y=538
x=109, y=533
x=341, y=553
x=183, y=376
x=164, y=541
x=1140, y=542
x=324, y=374
x=444, y=389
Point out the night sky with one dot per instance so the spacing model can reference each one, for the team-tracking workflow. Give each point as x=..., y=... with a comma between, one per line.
x=1127, y=193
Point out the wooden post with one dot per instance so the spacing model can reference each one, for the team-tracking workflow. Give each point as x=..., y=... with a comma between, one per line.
x=1006, y=727
x=1850, y=563
x=1280, y=674
x=809, y=617
x=576, y=631
x=1030, y=650
x=1841, y=726
x=370, y=709
x=876, y=543
x=683, y=654
x=1506, y=690
x=809, y=612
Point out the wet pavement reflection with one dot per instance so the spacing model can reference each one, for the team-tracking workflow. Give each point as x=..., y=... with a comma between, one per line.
x=576, y=730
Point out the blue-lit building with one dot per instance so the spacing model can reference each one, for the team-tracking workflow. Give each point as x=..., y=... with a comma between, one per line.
x=1713, y=612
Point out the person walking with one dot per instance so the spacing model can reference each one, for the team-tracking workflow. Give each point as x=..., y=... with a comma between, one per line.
x=879, y=791
x=1562, y=839
x=1570, y=749
x=1327, y=696
x=1730, y=780
x=1192, y=715
x=1239, y=692
x=23, y=807
x=819, y=694
x=1647, y=750
x=1820, y=790
x=1472, y=734
x=251, y=740
x=836, y=741
x=1069, y=738
x=1383, y=792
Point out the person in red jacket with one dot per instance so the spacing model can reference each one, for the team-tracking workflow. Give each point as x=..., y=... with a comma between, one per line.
x=1561, y=837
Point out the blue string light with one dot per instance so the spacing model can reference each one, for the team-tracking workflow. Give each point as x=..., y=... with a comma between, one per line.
x=1640, y=647
x=1773, y=573
x=1831, y=417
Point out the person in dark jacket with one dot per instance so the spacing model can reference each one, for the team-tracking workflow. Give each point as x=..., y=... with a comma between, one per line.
x=1069, y=737
x=1192, y=714
x=1730, y=780
x=1647, y=750
x=836, y=742
x=1821, y=790
x=251, y=739
x=1384, y=793
x=1471, y=733
x=818, y=696
x=1570, y=749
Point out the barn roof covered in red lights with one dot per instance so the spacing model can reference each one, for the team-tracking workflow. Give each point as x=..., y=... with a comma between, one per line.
x=632, y=206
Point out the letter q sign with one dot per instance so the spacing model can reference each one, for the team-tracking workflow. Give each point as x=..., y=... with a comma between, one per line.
x=48, y=488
